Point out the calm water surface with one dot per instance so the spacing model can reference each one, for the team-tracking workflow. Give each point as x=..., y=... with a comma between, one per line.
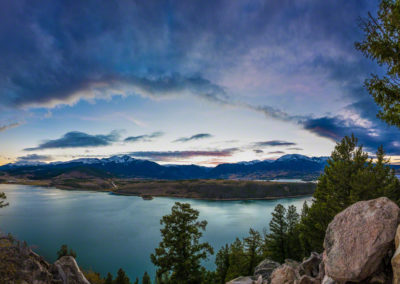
x=111, y=231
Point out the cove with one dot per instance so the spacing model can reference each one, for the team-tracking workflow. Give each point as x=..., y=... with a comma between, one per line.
x=111, y=231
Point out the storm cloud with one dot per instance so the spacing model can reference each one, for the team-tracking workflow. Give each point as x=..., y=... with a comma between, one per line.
x=54, y=53
x=99, y=49
x=76, y=139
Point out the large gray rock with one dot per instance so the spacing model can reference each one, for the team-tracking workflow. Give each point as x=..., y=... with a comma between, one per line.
x=69, y=271
x=265, y=268
x=358, y=238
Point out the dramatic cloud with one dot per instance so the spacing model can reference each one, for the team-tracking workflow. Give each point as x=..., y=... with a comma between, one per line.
x=128, y=47
x=78, y=139
x=9, y=126
x=370, y=134
x=144, y=138
x=54, y=53
x=34, y=158
x=171, y=155
x=194, y=137
x=274, y=143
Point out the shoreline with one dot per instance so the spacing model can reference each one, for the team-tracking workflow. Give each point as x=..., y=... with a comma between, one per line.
x=151, y=195
x=214, y=199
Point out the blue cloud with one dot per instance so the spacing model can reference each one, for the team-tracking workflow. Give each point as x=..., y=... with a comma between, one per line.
x=371, y=136
x=34, y=158
x=274, y=143
x=194, y=137
x=144, y=138
x=76, y=139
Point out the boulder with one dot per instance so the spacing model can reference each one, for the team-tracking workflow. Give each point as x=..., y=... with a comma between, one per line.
x=358, y=238
x=69, y=271
x=328, y=280
x=310, y=266
x=265, y=268
x=396, y=258
x=305, y=279
x=242, y=280
x=285, y=274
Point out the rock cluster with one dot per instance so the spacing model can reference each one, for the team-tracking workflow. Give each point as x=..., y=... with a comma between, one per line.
x=19, y=264
x=362, y=245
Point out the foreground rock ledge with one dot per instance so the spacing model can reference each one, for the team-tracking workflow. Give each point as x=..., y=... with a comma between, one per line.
x=359, y=245
x=19, y=264
x=358, y=238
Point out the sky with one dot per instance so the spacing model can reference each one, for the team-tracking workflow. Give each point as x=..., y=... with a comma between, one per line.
x=182, y=82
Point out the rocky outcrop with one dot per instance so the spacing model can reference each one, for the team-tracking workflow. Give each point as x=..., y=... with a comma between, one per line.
x=358, y=239
x=396, y=258
x=242, y=280
x=359, y=245
x=265, y=269
x=19, y=264
x=311, y=266
x=285, y=274
x=68, y=270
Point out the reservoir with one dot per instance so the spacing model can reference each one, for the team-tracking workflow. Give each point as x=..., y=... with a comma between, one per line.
x=109, y=231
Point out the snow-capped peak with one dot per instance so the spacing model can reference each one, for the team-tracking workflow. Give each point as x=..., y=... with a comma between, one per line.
x=291, y=157
x=118, y=159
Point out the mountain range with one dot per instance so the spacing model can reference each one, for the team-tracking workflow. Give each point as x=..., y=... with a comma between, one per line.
x=287, y=166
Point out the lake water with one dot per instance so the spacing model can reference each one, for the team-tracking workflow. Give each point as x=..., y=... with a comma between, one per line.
x=110, y=231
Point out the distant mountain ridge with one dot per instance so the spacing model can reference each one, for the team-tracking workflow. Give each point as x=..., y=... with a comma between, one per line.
x=124, y=166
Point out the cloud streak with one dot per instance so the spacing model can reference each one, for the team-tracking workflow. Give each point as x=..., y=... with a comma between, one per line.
x=144, y=138
x=274, y=143
x=9, y=126
x=194, y=137
x=172, y=155
x=77, y=139
x=34, y=158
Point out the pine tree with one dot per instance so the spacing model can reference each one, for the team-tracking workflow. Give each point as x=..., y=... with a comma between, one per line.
x=293, y=245
x=64, y=252
x=350, y=176
x=382, y=44
x=146, y=278
x=222, y=263
x=109, y=279
x=136, y=281
x=275, y=242
x=180, y=251
x=252, y=247
x=122, y=278
x=237, y=260
x=304, y=242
